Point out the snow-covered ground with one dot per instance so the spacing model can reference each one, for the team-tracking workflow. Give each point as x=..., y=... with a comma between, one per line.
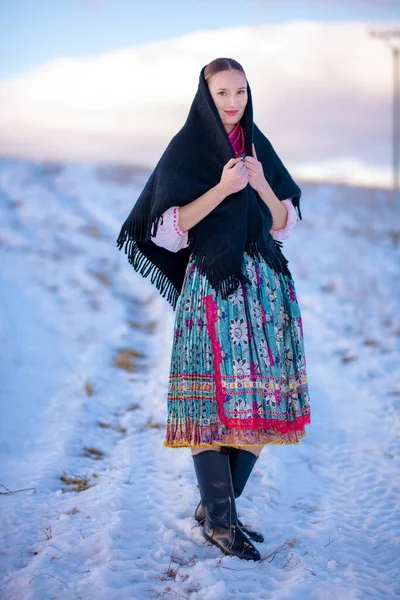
x=85, y=350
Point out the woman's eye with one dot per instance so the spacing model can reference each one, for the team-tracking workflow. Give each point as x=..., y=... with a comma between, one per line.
x=240, y=92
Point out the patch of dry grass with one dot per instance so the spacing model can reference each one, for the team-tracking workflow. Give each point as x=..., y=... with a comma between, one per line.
x=117, y=428
x=124, y=359
x=150, y=424
x=92, y=452
x=75, y=483
x=146, y=327
x=122, y=411
x=73, y=511
x=88, y=388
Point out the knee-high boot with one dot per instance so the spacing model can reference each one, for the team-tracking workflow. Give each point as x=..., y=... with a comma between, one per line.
x=220, y=525
x=241, y=464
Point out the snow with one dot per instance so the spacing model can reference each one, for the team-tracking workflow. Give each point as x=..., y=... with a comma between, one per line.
x=69, y=304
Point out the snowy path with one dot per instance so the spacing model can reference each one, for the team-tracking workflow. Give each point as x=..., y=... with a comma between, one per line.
x=30, y=349
x=328, y=507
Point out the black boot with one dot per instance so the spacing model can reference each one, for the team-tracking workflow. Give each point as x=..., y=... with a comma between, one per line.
x=241, y=464
x=220, y=519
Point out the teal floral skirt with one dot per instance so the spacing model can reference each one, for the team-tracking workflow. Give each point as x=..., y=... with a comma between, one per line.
x=238, y=366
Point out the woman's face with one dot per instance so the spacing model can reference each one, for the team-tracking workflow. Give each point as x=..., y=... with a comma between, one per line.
x=229, y=92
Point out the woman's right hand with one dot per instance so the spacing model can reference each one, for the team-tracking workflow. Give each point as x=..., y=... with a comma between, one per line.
x=233, y=179
x=234, y=176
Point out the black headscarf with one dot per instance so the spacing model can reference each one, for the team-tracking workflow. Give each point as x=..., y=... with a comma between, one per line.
x=191, y=164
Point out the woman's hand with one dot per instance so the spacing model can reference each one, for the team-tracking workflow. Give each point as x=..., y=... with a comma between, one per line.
x=234, y=176
x=261, y=186
x=255, y=171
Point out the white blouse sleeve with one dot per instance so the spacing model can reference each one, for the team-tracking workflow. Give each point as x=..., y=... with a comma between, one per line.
x=283, y=234
x=169, y=235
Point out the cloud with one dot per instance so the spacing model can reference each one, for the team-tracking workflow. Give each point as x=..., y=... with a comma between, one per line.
x=321, y=91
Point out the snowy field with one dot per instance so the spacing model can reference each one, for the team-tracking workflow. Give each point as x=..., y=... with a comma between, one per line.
x=92, y=505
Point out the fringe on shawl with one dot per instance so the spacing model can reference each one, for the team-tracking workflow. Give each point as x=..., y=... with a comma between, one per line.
x=140, y=230
x=272, y=255
x=296, y=204
x=224, y=286
x=133, y=231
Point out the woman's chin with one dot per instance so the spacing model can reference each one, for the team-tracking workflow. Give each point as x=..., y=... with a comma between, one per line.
x=231, y=123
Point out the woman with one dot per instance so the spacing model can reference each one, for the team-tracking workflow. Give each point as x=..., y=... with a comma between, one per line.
x=207, y=227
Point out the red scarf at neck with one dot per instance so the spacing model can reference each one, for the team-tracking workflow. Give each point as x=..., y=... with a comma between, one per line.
x=237, y=139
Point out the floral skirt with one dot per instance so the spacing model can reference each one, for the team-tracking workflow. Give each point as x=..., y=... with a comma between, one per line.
x=238, y=367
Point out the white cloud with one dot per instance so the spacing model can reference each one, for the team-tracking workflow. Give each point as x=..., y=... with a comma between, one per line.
x=321, y=92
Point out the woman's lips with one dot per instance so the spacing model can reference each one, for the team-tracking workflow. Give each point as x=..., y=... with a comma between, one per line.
x=232, y=112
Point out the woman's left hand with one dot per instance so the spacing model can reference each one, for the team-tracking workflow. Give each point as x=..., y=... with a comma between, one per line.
x=255, y=172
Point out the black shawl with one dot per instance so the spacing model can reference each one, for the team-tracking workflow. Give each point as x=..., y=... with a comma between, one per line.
x=191, y=164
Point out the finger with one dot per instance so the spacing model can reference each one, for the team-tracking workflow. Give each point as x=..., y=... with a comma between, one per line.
x=232, y=162
x=254, y=152
x=239, y=166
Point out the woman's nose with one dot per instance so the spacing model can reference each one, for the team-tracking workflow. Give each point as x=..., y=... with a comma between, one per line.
x=233, y=103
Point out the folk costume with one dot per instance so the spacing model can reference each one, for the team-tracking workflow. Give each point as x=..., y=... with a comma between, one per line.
x=238, y=367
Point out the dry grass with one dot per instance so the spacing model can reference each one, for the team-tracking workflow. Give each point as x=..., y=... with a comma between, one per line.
x=88, y=388
x=47, y=532
x=145, y=327
x=151, y=425
x=117, y=428
x=121, y=412
x=347, y=356
x=104, y=279
x=15, y=491
x=124, y=359
x=73, y=511
x=92, y=452
x=75, y=483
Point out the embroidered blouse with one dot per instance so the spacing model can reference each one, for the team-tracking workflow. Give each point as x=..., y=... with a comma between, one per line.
x=170, y=235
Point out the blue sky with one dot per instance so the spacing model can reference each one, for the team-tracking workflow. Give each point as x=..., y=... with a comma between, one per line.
x=33, y=32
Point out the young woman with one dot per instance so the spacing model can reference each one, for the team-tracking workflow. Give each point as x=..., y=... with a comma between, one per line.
x=209, y=226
